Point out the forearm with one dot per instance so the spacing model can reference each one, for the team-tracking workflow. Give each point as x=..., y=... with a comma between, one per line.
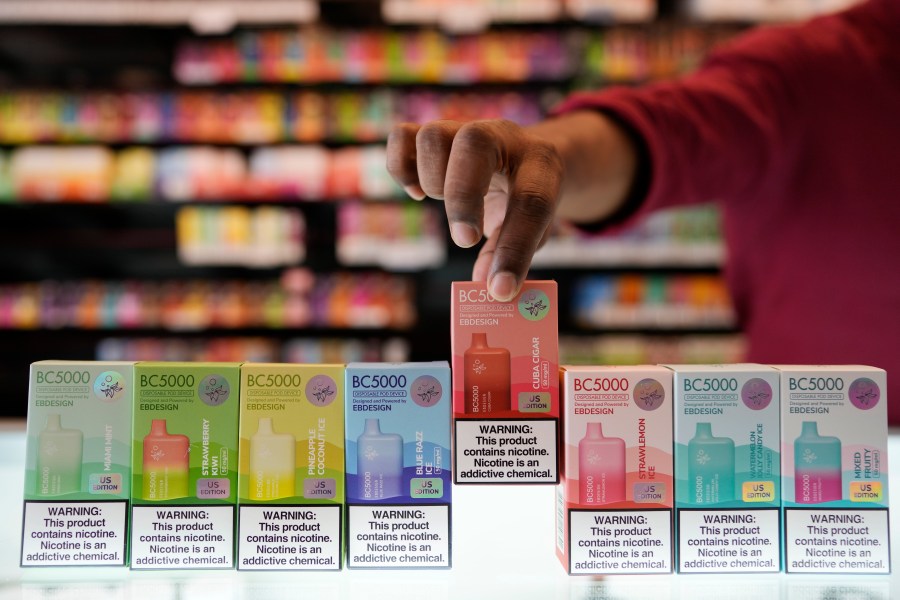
x=600, y=160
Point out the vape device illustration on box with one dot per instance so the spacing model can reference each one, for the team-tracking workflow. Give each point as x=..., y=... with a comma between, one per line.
x=59, y=459
x=379, y=462
x=272, y=463
x=165, y=463
x=817, y=466
x=710, y=466
x=601, y=467
x=486, y=377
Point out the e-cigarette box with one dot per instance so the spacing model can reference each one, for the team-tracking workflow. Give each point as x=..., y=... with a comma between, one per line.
x=184, y=467
x=291, y=479
x=78, y=464
x=615, y=498
x=505, y=384
x=727, y=465
x=835, y=469
x=398, y=465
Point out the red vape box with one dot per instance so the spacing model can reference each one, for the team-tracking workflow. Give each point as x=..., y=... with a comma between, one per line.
x=505, y=384
x=614, y=502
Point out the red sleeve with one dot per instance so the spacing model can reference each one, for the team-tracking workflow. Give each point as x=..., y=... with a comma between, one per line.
x=719, y=133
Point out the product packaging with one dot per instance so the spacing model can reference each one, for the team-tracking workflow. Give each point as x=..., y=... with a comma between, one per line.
x=398, y=465
x=834, y=461
x=727, y=487
x=185, y=461
x=291, y=480
x=505, y=384
x=614, y=503
x=78, y=464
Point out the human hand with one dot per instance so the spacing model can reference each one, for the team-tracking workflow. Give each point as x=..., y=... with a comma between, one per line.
x=496, y=179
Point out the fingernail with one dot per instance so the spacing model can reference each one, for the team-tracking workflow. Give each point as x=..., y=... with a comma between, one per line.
x=415, y=191
x=464, y=235
x=503, y=286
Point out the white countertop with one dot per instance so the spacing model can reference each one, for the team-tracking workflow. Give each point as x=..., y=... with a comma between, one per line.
x=503, y=547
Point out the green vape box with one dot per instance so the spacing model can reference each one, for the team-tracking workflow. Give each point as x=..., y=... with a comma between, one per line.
x=78, y=464
x=291, y=478
x=185, y=461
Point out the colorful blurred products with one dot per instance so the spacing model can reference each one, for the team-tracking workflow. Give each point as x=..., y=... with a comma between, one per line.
x=197, y=173
x=343, y=300
x=397, y=237
x=683, y=237
x=623, y=55
x=266, y=116
x=317, y=54
x=52, y=173
x=255, y=349
x=246, y=117
x=425, y=56
x=635, y=349
x=255, y=237
x=652, y=301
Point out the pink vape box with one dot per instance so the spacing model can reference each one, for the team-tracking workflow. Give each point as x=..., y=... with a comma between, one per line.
x=505, y=384
x=615, y=499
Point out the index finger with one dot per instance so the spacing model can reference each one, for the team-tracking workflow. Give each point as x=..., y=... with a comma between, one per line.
x=534, y=188
x=401, y=159
x=480, y=149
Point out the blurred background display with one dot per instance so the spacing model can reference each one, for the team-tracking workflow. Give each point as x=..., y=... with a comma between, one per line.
x=205, y=180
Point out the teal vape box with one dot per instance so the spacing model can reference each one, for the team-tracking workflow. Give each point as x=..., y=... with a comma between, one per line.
x=78, y=464
x=727, y=480
x=398, y=470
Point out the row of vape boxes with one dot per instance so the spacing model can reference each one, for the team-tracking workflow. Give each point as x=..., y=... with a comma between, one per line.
x=165, y=465
x=694, y=468
x=724, y=468
x=717, y=468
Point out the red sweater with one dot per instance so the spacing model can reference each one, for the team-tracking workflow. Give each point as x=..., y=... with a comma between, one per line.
x=795, y=130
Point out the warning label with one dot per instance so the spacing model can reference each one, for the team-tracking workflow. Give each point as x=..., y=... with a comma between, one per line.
x=507, y=451
x=623, y=541
x=729, y=541
x=837, y=541
x=404, y=537
x=290, y=538
x=74, y=533
x=182, y=537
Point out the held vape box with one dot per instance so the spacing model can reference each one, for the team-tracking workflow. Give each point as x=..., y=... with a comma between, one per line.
x=835, y=469
x=614, y=503
x=185, y=461
x=78, y=464
x=505, y=384
x=727, y=486
x=398, y=465
x=291, y=480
